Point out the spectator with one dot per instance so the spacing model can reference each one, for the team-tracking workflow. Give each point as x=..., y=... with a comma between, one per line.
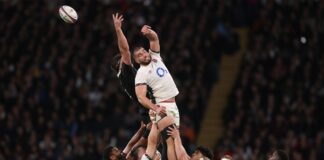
x=277, y=100
x=58, y=99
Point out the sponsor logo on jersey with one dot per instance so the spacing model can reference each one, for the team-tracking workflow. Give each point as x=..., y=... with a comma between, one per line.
x=161, y=72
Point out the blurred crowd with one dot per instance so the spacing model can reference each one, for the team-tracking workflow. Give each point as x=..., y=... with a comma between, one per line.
x=58, y=97
x=278, y=100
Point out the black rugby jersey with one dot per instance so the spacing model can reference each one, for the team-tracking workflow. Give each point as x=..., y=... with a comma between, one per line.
x=126, y=76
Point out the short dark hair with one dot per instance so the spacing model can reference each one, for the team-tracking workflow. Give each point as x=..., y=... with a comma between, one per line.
x=136, y=48
x=282, y=155
x=134, y=152
x=106, y=153
x=205, y=151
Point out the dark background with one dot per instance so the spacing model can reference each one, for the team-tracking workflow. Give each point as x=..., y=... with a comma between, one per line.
x=59, y=99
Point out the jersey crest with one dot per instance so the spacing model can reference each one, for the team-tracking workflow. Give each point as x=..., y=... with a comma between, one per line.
x=161, y=71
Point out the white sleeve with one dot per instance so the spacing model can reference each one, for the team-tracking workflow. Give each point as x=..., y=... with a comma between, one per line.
x=155, y=54
x=144, y=157
x=141, y=77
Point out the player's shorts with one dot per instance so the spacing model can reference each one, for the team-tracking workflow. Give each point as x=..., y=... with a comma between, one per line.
x=145, y=157
x=156, y=156
x=171, y=110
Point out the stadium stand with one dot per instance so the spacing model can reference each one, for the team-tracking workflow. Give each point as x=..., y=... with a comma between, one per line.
x=58, y=99
x=277, y=101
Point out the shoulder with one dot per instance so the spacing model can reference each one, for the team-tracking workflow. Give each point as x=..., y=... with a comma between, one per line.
x=144, y=71
x=141, y=70
x=142, y=75
x=128, y=66
x=127, y=69
x=125, y=66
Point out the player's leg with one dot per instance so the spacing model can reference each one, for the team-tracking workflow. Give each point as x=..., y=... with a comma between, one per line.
x=171, y=110
x=163, y=125
x=174, y=111
x=151, y=142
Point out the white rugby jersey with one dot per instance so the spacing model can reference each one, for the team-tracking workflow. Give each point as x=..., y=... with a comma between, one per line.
x=157, y=76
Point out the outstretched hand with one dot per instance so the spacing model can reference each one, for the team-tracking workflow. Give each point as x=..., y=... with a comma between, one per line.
x=146, y=29
x=152, y=37
x=118, y=19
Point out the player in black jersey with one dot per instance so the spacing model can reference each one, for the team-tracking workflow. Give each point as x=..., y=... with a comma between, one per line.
x=124, y=69
x=126, y=72
x=126, y=75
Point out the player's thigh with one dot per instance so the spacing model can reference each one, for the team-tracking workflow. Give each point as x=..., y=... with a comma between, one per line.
x=174, y=112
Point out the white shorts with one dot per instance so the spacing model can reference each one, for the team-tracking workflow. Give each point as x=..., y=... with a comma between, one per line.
x=156, y=156
x=171, y=110
x=144, y=157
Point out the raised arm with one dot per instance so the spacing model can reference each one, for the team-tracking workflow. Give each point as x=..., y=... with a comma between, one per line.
x=134, y=139
x=179, y=149
x=152, y=37
x=122, y=41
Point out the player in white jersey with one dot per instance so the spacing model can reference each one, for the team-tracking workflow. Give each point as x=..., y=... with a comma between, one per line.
x=201, y=153
x=154, y=73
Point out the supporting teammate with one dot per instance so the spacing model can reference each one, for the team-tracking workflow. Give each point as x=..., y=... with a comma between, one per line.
x=159, y=128
x=113, y=153
x=201, y=153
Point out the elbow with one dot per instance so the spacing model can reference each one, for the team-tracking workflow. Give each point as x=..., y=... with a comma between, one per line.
x=124, y=49
x=140, y=99
x=154, y=39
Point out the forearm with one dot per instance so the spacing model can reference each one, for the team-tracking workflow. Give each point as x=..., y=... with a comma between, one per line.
x=122, y=41
x=154, y=41
x=133, y=140
x=180, y=151
x=147, y=103
x=152, y=36
x=141, y=141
